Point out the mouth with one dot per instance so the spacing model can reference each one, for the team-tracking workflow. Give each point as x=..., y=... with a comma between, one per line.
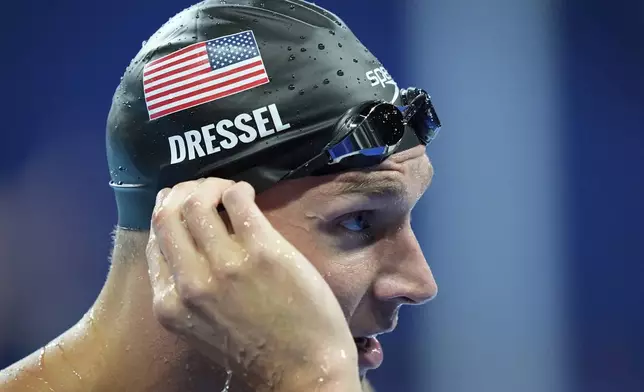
x=370, y=355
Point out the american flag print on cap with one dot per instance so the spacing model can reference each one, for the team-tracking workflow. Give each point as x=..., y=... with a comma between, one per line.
x=203, y=72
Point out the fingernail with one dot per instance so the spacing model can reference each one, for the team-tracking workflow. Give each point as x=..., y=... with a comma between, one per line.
x=162, y=195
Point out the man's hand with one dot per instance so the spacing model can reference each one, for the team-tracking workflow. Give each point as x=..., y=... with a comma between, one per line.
x=248, y=300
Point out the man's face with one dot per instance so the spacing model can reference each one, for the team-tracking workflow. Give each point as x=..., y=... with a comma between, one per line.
x=355, y=228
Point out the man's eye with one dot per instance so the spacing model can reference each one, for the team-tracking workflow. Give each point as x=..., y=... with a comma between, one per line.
x=356, y=222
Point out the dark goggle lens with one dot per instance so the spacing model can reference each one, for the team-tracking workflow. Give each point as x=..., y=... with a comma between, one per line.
x=420, y=114
x=372, y=133
x=385, y=122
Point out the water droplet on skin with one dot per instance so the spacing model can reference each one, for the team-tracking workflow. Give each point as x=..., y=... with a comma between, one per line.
x=229, y=377
x=321, y=46
x=41, y=358
x=340, y=73
x=291, y=87
x=326, y=81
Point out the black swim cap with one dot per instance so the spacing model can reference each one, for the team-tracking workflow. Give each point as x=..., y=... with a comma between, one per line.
x=245, y=90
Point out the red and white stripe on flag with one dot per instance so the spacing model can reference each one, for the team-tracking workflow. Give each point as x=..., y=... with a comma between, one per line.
x=203, y=72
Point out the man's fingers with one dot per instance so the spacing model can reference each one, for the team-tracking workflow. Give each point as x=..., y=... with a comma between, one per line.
x=185, y=263
x=203, y=220
x=247, y=219
x=160, y=276
x=167, y=306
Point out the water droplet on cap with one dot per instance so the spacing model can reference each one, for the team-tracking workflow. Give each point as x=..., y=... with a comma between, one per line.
x=339, y=44
x=292, y=7
x=321, y=46
x=340, y=73
x=289, y=48
x=291, y=58
x=302, y=37
x=315, y=86
x=119, y=183
x=143, y=43
x=303, y=50
x=291, y=87
x=121, y=168
x=326, y=81
x=332, y=32
x=355, y=61
x=301, y=92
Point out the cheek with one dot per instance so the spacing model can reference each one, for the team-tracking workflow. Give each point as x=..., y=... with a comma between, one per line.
x=349, y=274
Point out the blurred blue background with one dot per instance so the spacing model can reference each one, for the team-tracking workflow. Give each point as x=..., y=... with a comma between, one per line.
x=533, y=227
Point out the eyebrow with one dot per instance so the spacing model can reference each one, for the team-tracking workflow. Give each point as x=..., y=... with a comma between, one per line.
x=371, y=185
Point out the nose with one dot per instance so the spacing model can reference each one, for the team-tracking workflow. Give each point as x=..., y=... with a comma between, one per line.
x=405, y=276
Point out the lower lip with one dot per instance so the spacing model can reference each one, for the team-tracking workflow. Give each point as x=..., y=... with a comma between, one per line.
x=371, y=356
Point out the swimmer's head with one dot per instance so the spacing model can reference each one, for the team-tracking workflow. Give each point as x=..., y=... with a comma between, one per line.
x=244, y=90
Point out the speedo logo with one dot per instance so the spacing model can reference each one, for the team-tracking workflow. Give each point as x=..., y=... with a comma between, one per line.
x=380, y=76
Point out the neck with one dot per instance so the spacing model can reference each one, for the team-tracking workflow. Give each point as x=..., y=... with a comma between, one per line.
x=125, y=347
